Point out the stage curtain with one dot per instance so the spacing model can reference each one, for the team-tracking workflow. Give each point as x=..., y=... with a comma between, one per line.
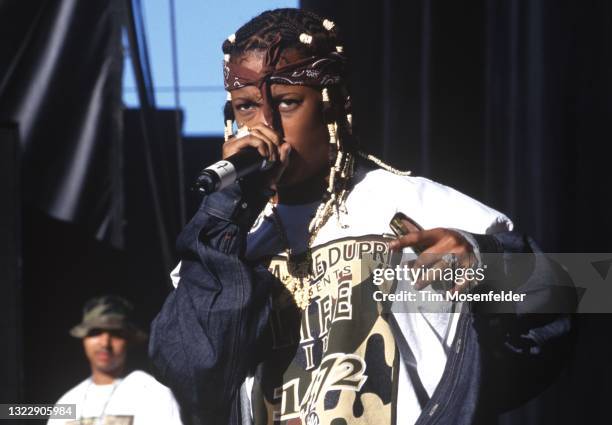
x=60, y=81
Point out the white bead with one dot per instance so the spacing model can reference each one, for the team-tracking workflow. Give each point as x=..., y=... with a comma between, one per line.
x=325, y=95
x=331, y=129
x=305, y=38
x=327, y=24
x=226, y=57
x=229, y=131
x=232, y=38
x=228, y=97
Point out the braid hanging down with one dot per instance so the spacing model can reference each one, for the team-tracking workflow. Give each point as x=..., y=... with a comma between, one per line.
x=317, y=40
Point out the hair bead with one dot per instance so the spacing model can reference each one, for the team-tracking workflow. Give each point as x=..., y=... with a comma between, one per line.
x=229, y=130
x=328, y=25
x=226, y=57
x=332, y=129
x=305, y=38
x=325, y=94
x=330, y=187
x=302, y=27
x=339, y=158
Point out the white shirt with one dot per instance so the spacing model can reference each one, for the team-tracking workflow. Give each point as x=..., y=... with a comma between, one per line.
x=137, y=399
x=375, y=198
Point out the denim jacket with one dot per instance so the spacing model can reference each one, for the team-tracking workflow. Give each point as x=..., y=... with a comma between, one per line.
x=211, y=331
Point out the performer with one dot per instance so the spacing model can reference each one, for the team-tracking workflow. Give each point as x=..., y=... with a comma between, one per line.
x=113, y=394
x=273, y=320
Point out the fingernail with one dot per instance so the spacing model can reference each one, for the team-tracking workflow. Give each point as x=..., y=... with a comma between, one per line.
x=393, y=245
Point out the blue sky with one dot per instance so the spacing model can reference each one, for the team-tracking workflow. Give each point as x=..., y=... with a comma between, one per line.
x=201, y=27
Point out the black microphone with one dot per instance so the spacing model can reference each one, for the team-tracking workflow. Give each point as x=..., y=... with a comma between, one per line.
x=225, y=172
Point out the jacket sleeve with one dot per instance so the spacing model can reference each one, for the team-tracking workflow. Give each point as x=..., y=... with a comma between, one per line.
x=208, y=333
x=523, y=345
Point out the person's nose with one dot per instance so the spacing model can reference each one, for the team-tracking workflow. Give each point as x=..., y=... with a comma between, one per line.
x=264, y=116
x=105, y=339
x=267, y=114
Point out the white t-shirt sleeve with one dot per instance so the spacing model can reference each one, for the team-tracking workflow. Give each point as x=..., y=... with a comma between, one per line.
x=443, y=206
x=58, y=421
x=161, y=408
x=73, y=396
x=156, y=403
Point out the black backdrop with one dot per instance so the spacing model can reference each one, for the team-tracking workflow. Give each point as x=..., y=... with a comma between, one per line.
x=510, y=102
x=507, y=101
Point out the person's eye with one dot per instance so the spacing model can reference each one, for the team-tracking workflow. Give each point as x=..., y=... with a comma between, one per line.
x=246, y=106
x=94, y=332
x=289, y=104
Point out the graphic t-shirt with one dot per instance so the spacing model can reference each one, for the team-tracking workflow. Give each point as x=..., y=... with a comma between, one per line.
x=338, y=361
x=137, y=399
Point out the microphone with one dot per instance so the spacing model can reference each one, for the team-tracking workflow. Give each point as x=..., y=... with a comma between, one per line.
x=225, y=172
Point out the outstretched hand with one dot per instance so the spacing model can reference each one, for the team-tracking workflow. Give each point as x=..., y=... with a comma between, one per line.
x=437, y=248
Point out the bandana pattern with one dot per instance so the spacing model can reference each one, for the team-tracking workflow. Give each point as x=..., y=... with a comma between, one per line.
x=312, y=71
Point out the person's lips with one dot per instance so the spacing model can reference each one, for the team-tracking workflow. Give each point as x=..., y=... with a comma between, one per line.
x=103, y=355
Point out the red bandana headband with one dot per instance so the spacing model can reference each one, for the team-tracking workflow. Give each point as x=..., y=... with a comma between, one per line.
x=312, y=71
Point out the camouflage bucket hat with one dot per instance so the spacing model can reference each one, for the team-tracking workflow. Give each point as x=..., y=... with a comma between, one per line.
x=108, y=312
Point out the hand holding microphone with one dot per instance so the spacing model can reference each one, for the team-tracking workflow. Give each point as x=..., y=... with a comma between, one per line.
x=253, y=150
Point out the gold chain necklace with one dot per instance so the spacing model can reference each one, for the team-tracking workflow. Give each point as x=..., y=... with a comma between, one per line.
x=299, y=266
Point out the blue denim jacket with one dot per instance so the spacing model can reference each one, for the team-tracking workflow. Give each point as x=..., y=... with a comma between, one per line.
x=211, y=331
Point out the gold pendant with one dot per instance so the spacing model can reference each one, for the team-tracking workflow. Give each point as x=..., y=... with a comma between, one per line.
x=300, y=265
x=299, y=268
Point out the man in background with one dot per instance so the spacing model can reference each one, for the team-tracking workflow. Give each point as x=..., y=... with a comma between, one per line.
x=114, y=395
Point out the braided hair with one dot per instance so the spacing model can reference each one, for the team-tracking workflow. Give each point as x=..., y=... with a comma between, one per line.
x=311, y=36
x=260, y=31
